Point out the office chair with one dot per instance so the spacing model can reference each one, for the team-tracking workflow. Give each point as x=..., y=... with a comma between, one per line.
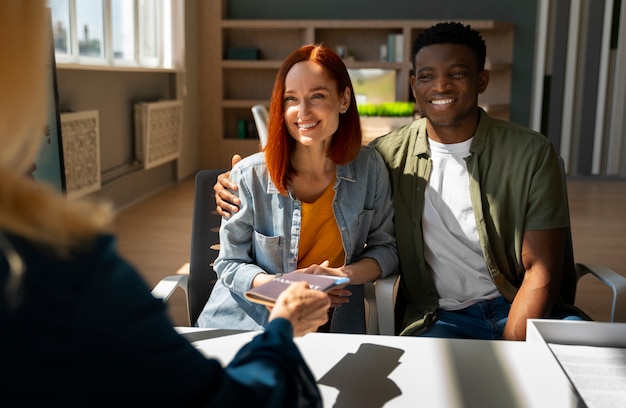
x=386, y=289
x=201, y=278
x=260, y=114
x=198, y=282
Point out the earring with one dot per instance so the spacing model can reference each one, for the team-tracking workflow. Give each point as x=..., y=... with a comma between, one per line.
x=343, y=111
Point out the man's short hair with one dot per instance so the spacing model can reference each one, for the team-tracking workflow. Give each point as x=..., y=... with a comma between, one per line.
x=452, y=33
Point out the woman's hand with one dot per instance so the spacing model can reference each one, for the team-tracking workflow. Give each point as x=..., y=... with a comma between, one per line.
x=305, y=308
x=338, y=295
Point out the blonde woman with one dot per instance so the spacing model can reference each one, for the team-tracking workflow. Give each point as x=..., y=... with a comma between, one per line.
x=79, y=326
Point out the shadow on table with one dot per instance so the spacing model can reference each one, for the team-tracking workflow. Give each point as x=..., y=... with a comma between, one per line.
x=368, y=368
x=209, y=334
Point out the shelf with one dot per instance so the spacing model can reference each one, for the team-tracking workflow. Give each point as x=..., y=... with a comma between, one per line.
x=479, y=25
x=251, y=64
x=498, y=67
x=244, y=103
x=355, y=64
x=233, y=86
x=499, y=111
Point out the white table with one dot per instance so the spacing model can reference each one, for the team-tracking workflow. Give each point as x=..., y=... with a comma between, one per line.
x=376, y=371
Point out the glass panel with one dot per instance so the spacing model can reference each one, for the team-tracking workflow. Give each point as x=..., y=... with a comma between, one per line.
x=123, y=22
x=149, y=36
x=61, y=25
x=166, y=30
x=89, y=23
x=373, y=86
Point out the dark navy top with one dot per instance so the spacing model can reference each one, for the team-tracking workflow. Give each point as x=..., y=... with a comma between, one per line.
x=87, y=332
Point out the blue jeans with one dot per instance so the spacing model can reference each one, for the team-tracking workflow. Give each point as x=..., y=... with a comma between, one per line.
x=350, y=317
x=484, y=320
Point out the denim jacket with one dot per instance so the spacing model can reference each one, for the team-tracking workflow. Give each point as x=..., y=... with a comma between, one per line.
x=263, y=237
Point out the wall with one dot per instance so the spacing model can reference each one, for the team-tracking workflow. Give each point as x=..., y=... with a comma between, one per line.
x=187, y=89
x=113, y=94
x=585, y=88
x=521, y=13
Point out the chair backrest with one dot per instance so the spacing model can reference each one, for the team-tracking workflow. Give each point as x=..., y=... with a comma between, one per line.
x=570, y=277
x=573, y=271
x=204, y=243
x=260, y=114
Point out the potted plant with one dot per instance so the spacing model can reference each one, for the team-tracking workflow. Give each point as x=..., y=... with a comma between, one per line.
x=379, y=119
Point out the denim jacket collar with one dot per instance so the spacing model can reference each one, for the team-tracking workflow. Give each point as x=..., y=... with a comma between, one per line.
x=344, y=172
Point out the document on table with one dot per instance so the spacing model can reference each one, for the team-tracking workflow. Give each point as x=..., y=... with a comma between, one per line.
x=598, y=373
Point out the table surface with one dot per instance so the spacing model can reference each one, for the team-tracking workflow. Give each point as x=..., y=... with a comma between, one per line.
x=387, y=371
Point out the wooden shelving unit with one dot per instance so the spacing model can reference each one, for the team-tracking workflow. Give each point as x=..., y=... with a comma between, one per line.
x=229, y=88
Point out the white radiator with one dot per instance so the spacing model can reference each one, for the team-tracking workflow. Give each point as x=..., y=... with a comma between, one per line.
x=158, y=132
x=80, y=137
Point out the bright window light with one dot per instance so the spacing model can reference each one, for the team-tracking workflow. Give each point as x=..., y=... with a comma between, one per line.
x=123, y=29
x=127, y=33
x=90, y=28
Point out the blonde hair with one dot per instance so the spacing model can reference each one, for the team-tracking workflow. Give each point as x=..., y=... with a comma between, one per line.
x=29, y=209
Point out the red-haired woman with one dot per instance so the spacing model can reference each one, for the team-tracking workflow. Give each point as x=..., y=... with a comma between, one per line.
x=315, y=200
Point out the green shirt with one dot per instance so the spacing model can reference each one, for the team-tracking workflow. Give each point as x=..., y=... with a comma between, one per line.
x=515, y=186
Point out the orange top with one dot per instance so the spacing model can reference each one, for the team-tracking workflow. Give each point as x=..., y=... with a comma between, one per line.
x=320, y=239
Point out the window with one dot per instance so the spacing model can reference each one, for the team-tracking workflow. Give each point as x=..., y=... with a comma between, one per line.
x=121, y=33
x=123, y=30
x=90, y=25
x=61, y=27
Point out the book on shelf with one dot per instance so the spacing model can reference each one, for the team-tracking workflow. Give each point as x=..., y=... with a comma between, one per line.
x=395, y=47
x=267, y=293
x=399, y=48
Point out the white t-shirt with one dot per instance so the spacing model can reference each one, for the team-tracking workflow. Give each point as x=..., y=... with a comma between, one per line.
x=452, y=247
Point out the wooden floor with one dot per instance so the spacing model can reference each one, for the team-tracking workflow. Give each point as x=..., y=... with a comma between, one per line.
x=155, y=236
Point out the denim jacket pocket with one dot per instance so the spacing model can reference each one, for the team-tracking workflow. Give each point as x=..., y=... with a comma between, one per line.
x=267, y=252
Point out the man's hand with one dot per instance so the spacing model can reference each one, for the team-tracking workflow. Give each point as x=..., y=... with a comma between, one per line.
x=227, y=203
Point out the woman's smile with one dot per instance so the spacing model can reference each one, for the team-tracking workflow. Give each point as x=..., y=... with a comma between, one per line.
x=307, y=126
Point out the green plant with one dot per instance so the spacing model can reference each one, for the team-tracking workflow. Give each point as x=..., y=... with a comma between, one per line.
x=387, y=109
